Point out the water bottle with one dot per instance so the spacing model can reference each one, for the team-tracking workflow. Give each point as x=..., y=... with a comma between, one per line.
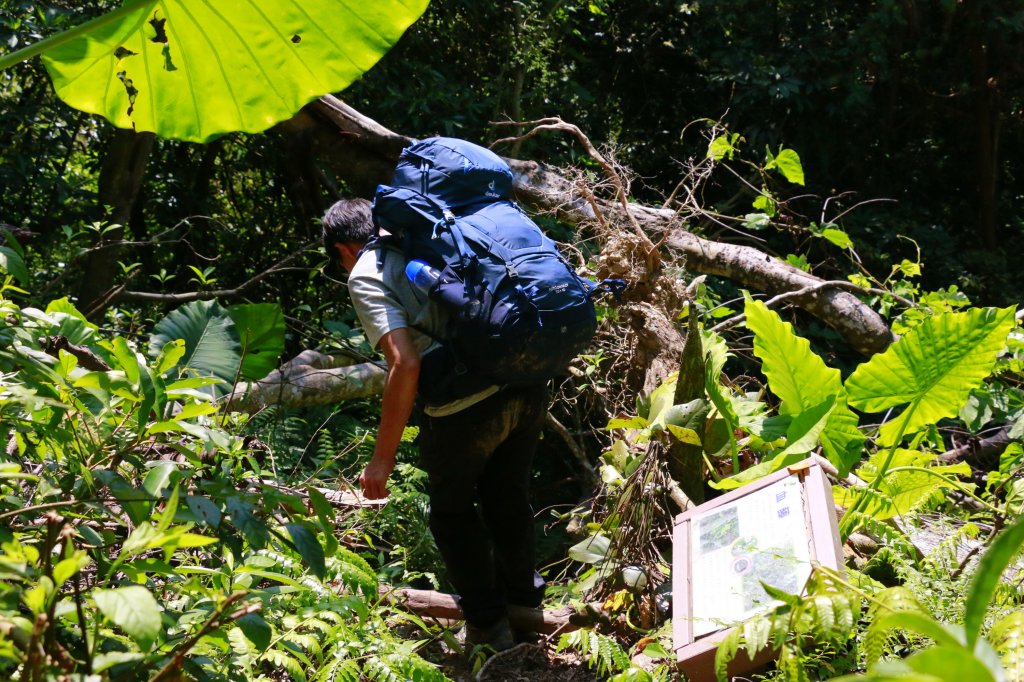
x=448, y=289
x=422, y=276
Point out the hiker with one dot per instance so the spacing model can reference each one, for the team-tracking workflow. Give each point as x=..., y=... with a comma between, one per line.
x=476, y=448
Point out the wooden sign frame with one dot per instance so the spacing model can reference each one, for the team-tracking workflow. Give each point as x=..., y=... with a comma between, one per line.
x=694, y=645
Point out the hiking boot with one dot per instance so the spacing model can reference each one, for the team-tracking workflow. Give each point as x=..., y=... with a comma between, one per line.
x=497, y=636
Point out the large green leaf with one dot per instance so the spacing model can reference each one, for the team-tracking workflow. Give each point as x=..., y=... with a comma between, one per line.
x=308, y=547
x=997, y=557
x=931, y=370
x=211, y=341
x=802, y=381
x=260, y=328
x=903, y=490
x=134, y=610
x=194, y=69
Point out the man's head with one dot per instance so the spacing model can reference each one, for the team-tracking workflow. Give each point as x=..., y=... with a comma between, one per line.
x=347, y=226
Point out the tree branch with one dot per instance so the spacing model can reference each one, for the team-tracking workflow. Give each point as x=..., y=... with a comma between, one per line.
x=190, y=296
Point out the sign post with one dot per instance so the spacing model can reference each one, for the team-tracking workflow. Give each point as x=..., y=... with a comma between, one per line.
x=772, y=530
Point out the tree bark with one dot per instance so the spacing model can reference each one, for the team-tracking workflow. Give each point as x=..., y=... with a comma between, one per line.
x=363, y=153
x=309, y=379
x=686, y=461
x=119, y=184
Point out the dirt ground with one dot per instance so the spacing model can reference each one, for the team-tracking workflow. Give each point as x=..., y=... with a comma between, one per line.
x=522, y=663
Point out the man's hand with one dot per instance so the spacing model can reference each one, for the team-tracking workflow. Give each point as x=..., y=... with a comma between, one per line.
x=374, y=479
x=399, y=395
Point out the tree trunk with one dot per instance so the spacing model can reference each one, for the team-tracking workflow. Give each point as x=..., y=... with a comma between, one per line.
x=443, y=606
x=364, y=153
x=119, y=184
x=985, y=90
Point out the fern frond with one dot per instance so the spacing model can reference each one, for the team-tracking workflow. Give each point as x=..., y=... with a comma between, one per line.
x=305, y=642
x=356, y=579
x=791, y=663
x=402, y=668
x=339, y=670
x=824, y=620
x=290, y=665
x=601, y=652
x=946, y=555
x=1007, y=638
x=323, y=627
x=346, y=555
x=756, y=634
x=379, y=670
x=727, y=650
x=890, y=536
x=891, y=600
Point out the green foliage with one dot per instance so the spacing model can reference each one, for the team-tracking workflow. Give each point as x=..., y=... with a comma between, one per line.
x=827, y=613
x=829, y=609
x=804, y=384
x=603, y=653
x=137, y=532
x=910, y=483
x=239, y=342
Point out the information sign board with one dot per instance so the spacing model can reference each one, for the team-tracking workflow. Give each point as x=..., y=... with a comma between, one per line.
x=773, y=531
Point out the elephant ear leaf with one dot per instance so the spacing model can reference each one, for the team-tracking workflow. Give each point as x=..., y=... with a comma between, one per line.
x=931, y=370
x=211, y=341
x=261, y=331
x=193, y=69
x=803, y=382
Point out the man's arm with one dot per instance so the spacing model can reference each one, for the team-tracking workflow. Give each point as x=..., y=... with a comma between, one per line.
x=399, y=396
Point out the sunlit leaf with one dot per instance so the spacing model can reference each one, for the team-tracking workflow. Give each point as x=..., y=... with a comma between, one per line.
x=788, y=163
x=837, y=237
x=193, y=70
x=204, y=509
x=802, y=381
x=931, y=370
x=592, y=550
x=134, y=610
x=158, y=478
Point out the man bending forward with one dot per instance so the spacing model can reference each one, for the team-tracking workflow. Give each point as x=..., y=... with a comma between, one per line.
x=476, y=449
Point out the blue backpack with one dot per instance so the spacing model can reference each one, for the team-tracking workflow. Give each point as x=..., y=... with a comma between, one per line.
x=521, y=313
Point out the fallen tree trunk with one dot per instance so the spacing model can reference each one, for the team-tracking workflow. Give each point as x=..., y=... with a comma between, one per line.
x=364, y=153
x=443, y=606
x=981, y=453
x=309, y=379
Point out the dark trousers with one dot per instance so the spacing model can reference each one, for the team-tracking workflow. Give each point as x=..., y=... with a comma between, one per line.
x=478, y=464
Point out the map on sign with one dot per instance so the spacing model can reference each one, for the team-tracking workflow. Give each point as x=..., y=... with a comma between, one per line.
x=761, y=537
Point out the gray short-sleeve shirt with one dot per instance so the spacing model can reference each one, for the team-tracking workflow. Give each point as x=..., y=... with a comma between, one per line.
x=385, y=300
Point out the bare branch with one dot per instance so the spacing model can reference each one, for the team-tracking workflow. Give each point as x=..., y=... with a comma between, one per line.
x=833, y=284
x=187, y=297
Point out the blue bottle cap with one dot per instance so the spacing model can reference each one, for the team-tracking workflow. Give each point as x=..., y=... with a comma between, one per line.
x=412, y=270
